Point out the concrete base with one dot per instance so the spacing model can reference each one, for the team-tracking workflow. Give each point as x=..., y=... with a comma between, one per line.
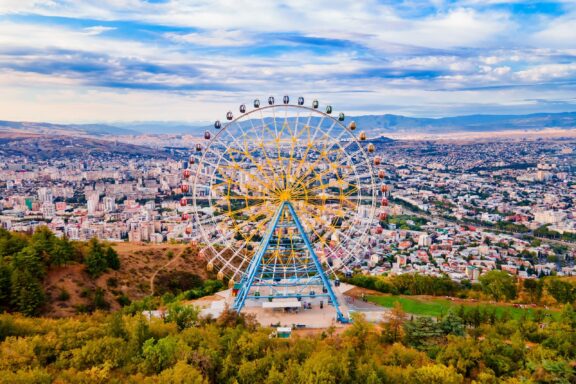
x=315, y=318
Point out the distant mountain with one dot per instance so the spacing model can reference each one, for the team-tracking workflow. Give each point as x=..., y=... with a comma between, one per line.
x=164, y=127
x=49, y=146
x=374, y=124
x=470, y=123
x=382, y=124
x=74, y=129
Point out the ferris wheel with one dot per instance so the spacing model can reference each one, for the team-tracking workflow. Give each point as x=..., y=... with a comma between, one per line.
x=283, y=186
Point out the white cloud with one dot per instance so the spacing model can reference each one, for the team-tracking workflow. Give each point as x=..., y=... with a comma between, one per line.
x=560, y=33
x=547, y=72
x=97, y=30
x=216, y=38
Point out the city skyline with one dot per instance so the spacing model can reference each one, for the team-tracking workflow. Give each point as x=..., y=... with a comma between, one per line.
x=68, y=61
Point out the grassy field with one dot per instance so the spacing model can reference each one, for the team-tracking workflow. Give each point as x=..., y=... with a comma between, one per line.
x=438, y=307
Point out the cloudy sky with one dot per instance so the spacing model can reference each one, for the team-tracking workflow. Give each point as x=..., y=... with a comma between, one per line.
x=187, y=60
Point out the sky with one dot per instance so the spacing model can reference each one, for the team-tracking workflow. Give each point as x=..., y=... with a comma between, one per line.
x=185, y=60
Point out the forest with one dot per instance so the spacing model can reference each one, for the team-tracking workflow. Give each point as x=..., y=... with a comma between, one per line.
x=495, y=285
x=24, y=260
x=182, y=348
x=465, y=345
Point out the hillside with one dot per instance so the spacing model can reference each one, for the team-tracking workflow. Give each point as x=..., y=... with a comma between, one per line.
x=166, y=267
x=46, y=146
x=41, y=274
x=76, y=129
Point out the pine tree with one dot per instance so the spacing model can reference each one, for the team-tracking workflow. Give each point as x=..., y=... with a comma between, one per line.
x=62, y=252
x=27, y=294
x=42, y=242
x=112, y=259
x=29, y=260
x=452, y=324
x=95, y=261
x=5, y=286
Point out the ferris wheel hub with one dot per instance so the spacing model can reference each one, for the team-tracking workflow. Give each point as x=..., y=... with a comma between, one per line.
x=285, y=195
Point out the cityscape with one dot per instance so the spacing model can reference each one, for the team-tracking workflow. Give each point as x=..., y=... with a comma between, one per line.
x=455, y=208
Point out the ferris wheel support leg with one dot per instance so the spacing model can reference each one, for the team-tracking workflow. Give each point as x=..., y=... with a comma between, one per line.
x=340, y=316
x=256, y=261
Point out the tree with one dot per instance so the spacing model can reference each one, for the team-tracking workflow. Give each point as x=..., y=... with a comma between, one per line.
x=359, y=331
x=568, y=316
x=325, y=366
x=112, y=259
x=499, y=285
x=422, y=332
x=43, y=243
x=11, y=243
x=96, y=262
x=393, y=328
x=111, y=350
x=62, y=252
x=99, y=300
x=159, y=355
x=28, y=260
x=138, y=335
x=562, y=291
x=436, y=374
x=116, y=327
x=462, y=353
x=27, y=294
x=181, y=373
x=533, y=288
x=451, y=324
x=184, y=316
x=5, y=286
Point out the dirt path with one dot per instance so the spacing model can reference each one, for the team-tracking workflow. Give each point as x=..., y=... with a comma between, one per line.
x=173, y=260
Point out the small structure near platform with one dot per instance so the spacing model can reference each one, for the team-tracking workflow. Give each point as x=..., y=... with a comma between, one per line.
x=283, y=332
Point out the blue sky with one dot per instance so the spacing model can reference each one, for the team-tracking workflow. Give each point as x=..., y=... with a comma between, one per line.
x=180, y=60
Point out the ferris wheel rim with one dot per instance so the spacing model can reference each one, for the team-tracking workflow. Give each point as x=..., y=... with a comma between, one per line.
x=372, y=195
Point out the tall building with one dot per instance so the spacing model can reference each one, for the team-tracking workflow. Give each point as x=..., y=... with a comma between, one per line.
x=48, y=209
x=425, y=240
x=549, y=216
x=92, y=203
x=109, y=204
x=45, y=195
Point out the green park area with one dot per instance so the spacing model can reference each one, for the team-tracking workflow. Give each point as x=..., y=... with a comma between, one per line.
x=438, y=307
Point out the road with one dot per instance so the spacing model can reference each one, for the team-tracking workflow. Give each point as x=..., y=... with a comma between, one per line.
x=443, y=220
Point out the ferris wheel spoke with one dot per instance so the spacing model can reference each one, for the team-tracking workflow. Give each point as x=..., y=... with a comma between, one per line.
x=238, y=167
x=246, y=153
x=260, y=226
x=230, y=182
x=228, y=236
x=242, y=149
x=312, y=168
x=362, y=176
x=352, y=253
x=318, y=177
x=308, y=144
x=325, y=144
x=317, y=219
x=226, y=179
x=231, y=212
x=261, y=139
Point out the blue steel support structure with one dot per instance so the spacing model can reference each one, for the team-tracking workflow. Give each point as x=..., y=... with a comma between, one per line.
x=303, y=275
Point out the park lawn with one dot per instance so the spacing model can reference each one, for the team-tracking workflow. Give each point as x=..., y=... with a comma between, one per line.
x=438, y=307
